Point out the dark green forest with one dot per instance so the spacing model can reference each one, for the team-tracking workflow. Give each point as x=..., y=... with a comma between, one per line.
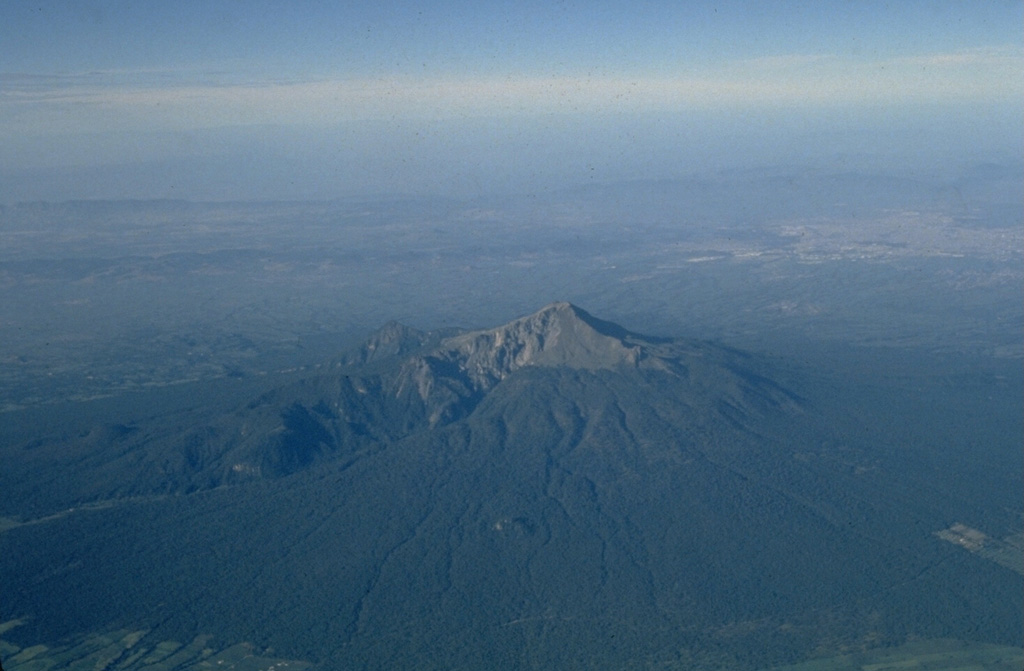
x=700, y=507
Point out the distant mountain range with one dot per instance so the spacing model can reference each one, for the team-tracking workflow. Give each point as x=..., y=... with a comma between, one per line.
x=556, y=492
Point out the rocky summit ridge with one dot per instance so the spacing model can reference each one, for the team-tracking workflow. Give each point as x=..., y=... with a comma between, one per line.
x=450, y=376
x=557, y=335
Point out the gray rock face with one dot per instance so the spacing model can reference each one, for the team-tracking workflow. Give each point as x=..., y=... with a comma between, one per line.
x=447, y=380
x=560, y=334
x=451, y=377
x=390, y=341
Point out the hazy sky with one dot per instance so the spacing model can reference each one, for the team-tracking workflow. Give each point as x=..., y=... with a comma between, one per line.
x=231, y=99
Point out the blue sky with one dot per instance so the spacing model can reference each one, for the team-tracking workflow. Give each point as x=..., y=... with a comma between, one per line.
x=138, y=99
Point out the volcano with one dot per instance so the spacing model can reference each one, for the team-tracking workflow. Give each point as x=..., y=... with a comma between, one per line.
x=555, y=492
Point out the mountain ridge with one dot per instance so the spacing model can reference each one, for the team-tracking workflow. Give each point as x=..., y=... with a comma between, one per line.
x=402, y=382
x=452, y=375
x=559, y=334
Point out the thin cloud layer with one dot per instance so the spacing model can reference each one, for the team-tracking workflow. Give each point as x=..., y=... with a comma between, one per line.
x=100, y=101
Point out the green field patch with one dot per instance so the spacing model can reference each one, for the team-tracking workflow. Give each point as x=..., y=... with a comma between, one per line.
x=10, y=624
x=189, y=654
x=28, y=654
x=116, y=650
x=931, y=655
x=126, y=650
x=162, y=651
x=241, y=658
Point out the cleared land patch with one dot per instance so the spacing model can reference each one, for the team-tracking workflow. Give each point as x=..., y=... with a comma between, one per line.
x=121, y=650
x=924, y=655
x=1008, y=552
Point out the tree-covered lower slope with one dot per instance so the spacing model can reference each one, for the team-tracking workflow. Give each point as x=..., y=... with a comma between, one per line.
x=554, y=494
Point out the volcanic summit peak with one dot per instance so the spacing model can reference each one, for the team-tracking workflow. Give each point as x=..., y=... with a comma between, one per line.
x=559, y=334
